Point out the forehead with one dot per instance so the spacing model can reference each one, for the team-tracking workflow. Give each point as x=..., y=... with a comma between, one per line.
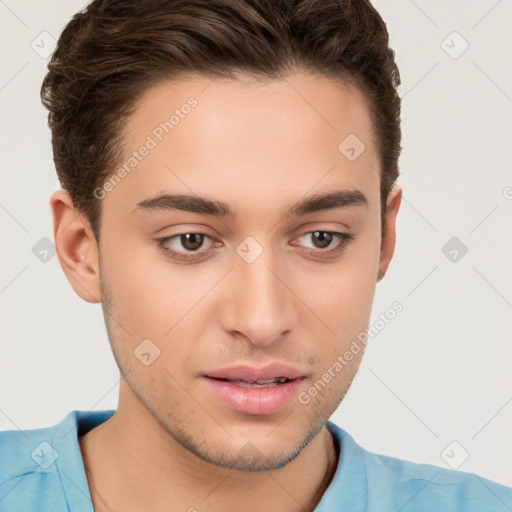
x=235, y=137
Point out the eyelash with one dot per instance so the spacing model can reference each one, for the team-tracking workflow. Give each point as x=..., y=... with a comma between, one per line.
x=344, y=239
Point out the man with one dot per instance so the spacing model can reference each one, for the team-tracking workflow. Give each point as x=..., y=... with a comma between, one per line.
x=229, y=195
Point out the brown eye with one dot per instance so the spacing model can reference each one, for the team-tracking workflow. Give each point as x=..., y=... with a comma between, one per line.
x=183, y=245
x=191, y=241
x=324, y=239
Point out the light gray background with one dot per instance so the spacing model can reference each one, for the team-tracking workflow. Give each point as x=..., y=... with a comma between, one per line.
x=439, y=372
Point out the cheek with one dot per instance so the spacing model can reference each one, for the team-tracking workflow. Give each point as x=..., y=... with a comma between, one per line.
x=344, y=300
x=146, y=293
x=152, y=300
x=351, y=301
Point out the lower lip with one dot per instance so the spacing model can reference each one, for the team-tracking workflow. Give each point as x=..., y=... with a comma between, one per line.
x=257, y=400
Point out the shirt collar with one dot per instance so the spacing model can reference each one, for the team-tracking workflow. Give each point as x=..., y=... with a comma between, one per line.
x=70, y=467
x=348, y=487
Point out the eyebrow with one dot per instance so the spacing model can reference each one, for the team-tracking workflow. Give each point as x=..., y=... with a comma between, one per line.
x=196, y=204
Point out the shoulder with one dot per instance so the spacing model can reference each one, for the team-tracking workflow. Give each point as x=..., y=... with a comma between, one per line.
x=409, y=486
x=27, y=467
x=423, y=485
x=25, y=451
x=39, y=467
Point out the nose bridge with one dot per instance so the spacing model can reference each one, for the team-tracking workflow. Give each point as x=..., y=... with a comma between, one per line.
x=261, y=305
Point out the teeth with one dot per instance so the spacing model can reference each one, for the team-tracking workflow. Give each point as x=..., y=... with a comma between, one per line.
x=255, y=383
x=244, y=384
x=268, y=381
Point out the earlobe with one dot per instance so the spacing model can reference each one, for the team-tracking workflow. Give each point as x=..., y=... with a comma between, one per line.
x=388, y=243
x=76, y=247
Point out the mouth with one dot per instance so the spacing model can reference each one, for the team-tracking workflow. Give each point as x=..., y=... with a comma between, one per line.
x=254, y=397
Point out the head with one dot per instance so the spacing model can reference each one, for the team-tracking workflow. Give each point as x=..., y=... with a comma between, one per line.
x=275, y=127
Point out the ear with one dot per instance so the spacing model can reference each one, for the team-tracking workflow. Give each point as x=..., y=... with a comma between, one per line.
x=76, y=247
x=389, y=238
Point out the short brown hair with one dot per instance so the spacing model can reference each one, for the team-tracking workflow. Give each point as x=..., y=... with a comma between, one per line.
x=110, y=53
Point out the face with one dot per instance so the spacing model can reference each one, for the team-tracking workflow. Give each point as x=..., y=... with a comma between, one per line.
x=269, y=278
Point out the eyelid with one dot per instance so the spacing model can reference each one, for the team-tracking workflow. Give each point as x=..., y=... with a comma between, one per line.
x=343, y=240
x=161, y=242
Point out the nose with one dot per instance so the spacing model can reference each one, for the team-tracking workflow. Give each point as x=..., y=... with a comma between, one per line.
x=258, y=303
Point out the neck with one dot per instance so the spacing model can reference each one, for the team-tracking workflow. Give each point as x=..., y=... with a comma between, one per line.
x=133, y=464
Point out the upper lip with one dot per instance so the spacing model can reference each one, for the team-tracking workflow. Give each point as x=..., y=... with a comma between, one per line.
x=246, y=372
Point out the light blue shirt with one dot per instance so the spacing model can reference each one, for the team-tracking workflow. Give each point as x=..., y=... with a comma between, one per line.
x=42, y=470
